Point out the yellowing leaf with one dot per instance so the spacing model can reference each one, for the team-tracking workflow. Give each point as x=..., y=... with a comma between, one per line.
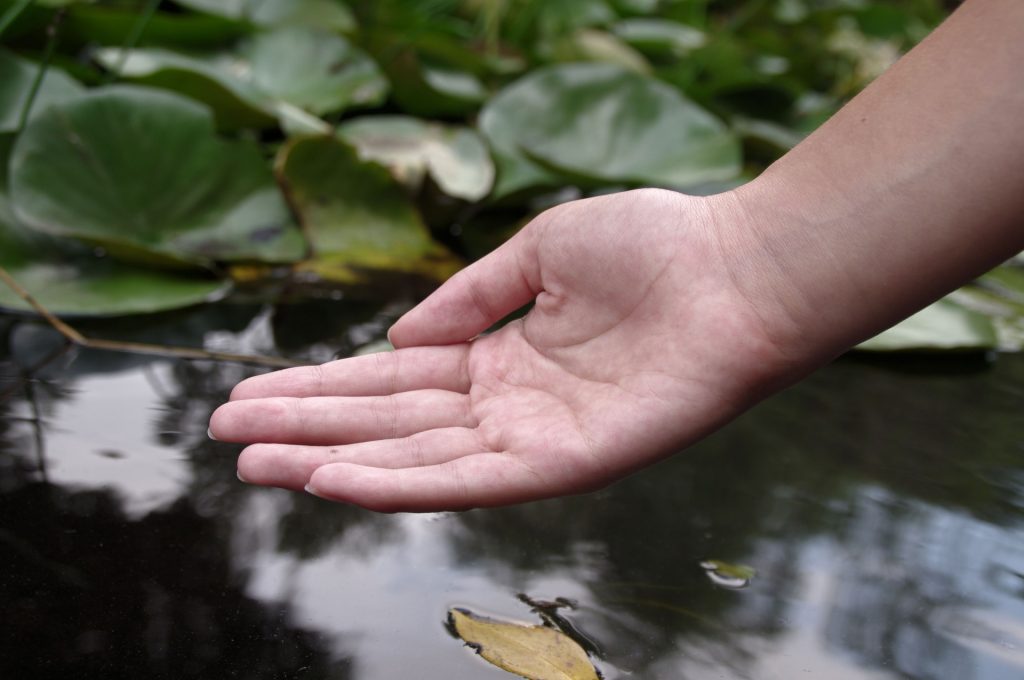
x=534, y=652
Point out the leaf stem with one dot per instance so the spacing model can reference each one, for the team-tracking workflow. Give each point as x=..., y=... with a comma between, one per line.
x=52, y=31
x=138, y=28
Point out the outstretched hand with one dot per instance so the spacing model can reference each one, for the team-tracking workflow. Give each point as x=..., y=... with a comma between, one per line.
x=639, y=343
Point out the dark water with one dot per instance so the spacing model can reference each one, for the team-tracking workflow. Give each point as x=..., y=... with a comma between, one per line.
x=881, y=503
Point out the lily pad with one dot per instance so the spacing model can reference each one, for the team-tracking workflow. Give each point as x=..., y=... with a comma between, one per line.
x=75, y=281
x=327, y=14
x=943, y=325
x=534, y=652
x=659, y=37
x=16, y=78
x=267, y=77
x=589, y=44
x=141, y=173
x=455, y=157
x=604, y=124
x=354, y=214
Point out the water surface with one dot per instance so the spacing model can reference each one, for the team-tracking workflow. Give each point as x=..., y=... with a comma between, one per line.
x=881, y=503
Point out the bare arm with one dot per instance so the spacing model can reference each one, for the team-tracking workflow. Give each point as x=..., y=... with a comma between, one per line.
x=912, y=189
x=658, y=316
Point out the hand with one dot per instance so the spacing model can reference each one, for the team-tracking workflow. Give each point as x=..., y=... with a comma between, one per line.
x=639, y=343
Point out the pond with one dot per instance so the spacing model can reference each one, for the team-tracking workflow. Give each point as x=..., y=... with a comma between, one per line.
x=880, y=503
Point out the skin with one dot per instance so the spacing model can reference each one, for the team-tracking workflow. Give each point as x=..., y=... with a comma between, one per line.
x=658, y=317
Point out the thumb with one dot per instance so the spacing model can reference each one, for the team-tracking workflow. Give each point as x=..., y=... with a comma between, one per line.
x=475, y=298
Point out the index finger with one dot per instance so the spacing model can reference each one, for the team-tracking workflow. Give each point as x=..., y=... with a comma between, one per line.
x=414, y=368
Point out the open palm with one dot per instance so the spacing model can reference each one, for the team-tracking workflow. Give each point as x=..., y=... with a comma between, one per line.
x=638, y=343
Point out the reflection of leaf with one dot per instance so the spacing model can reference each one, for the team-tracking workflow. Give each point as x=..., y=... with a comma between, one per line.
x=70, y=280
x=264, y=76
x=16, y=76
x=354, y=214
x=942, y=325
x=601, y=122
x=141, y=172
x=456, y=158
x=534, y=652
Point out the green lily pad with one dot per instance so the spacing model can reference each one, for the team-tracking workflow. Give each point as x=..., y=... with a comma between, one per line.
x=316, y=70
x=319, y=13
x=659, y=37
x=604, y=124
x=943, y=325
x=354, y=214
x=71, y=280
x=590, y=44
x=141, y=172
x=271, y=76
x=455, y=157
x=16, y=78
x=535, y=652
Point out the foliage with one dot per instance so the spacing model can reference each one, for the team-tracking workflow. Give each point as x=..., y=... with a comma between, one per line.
x=535, y=652
x=225, y=150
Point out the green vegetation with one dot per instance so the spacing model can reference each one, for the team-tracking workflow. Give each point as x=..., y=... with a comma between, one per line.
x=156, y=154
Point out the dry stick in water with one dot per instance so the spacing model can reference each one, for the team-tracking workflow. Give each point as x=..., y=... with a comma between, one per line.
x=76, y=338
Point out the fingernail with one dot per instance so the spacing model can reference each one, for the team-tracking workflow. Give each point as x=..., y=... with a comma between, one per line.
x=310, y=490
x=238, y=473
x=209, y=433
x=389, y=336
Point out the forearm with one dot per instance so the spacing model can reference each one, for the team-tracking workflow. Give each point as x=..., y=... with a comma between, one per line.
x=912, y=189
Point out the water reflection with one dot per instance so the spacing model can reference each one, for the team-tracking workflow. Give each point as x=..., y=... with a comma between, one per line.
x=881, y=507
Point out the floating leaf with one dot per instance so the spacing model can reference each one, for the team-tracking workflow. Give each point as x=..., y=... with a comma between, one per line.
x=16, y=78
x=328, y=14
x=659, y=37
x=605, y=124
x=313, y=69
x=534, y=652
x=588, y=44
x=142, y=173
x=943, y=325
x=74, y=281
x=354, y=214
x=265, y=78
x=726, y=575
x=456, y=158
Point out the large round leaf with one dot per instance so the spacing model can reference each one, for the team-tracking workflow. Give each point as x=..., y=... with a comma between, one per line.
x=455, y=157
x=602, y=123
x=354, y=214
x=141, y=172
x=329, y=14
x=75, y=281
x=16, y=78
x=313, y=69
x=275, y=75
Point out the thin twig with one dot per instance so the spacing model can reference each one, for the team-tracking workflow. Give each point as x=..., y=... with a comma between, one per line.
x=80, y=340
x=12, y=13
x=52, y=31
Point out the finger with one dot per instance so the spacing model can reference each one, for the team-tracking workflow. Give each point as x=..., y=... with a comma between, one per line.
x=475, y=298
x=476, y=480
x=415, y=368
x=339, y=420
x=290, y=466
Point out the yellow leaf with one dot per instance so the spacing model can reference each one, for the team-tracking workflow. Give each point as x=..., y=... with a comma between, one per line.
x=533, y=652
